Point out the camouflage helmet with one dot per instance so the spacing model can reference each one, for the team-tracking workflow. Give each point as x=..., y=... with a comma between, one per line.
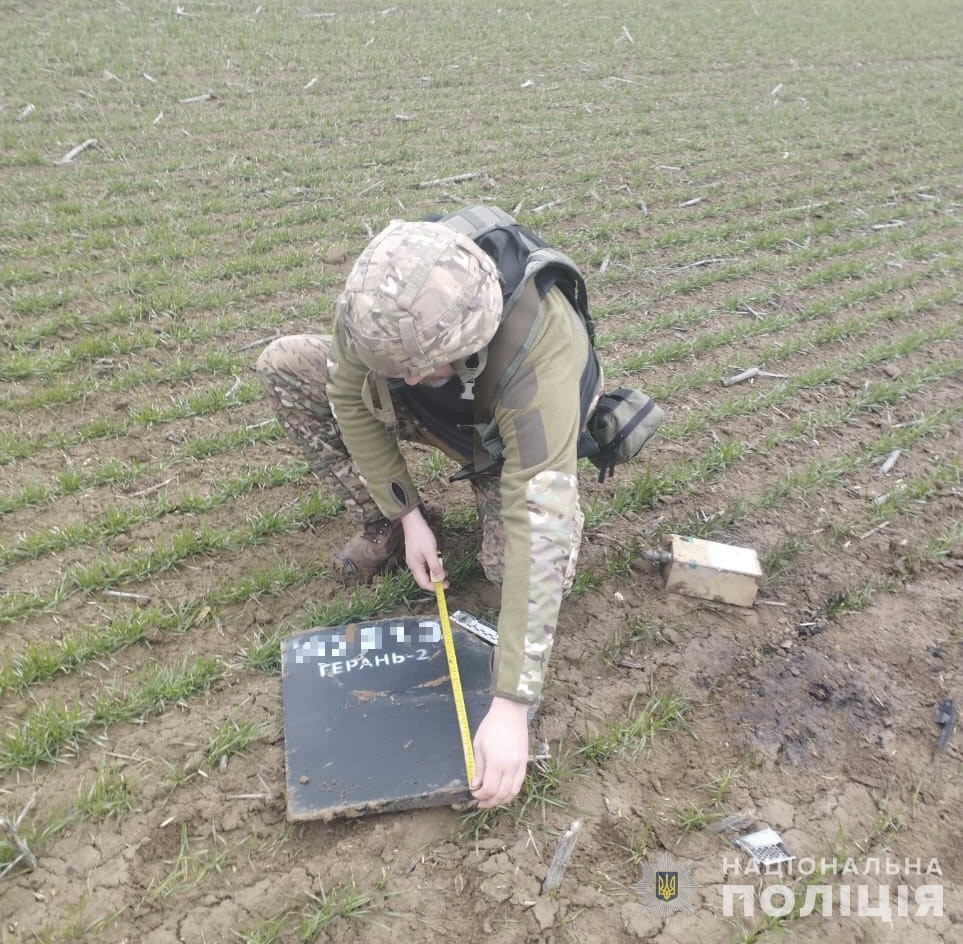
x=419, y=296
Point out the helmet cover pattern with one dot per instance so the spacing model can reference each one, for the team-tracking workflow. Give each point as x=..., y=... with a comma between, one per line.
x=420, y=296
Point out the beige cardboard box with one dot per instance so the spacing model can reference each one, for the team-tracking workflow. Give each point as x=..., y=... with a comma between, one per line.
x=712, y=571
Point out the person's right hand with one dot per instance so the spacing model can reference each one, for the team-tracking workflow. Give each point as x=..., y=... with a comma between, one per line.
x=501, y=753
x=421, y=551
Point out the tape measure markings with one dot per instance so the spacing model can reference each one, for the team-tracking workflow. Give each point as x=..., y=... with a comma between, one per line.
x=456, y=688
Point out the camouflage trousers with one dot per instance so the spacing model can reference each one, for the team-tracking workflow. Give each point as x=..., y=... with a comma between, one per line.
x=293, y=371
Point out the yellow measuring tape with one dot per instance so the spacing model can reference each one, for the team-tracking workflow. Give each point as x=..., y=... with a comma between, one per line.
x=456, y=683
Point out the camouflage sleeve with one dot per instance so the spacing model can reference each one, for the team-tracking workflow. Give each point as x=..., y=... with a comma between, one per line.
x=372, y=445
x=538, y=419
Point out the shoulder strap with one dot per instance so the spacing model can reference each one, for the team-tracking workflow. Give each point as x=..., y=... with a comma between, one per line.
x=475, y=221
x=527, y=267
x=506, y=351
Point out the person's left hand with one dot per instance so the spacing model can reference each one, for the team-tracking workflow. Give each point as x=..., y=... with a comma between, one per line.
x=501, y=753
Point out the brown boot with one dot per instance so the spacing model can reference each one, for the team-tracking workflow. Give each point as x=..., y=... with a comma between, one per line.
x=368, y=553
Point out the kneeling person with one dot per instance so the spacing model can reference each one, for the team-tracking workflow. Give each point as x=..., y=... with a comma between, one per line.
x=414, y=325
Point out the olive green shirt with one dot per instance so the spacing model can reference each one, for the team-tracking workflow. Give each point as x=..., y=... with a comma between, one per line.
x=539, y=420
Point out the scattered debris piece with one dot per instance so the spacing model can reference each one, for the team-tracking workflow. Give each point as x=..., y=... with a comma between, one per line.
x=24, y=854
x=872, y=531
x=566, y=845
x=887, y=466
x=630, y=664
x=152, y=488
x=946, y=719
x=125, y=595
x=692, y=202
x=26, y=113
x=741, y=378
x=259, y=342
x=541, y=753
x=657, y=556
x=699, y=263
x=206, y=97
x=765, y=846
x=475, y=626
x=751, y=373
x=713, y=571
x=79, y=149
x=454, y=179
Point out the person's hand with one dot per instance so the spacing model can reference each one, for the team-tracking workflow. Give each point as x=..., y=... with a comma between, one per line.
x=501, y=753
x=421, y=551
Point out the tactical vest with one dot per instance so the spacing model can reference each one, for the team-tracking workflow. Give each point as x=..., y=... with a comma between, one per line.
x=527, y=269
